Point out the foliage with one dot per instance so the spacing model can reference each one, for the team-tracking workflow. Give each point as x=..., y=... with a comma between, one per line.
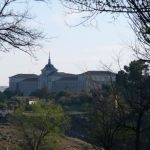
x=105, y=118
x=67, y=99
x=42, y=121
x=41, y=93
x=74, y=101
x=3, y=97
x=120, y=113
x=9, y=94
x=134, y=85
x=63, y=94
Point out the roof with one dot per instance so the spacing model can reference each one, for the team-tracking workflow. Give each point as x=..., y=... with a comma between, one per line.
x=62, y=74
x=24, y=76
x=98, y=72
x=66, y=74
x=68, y=78
x=49, y=66
x=30, y=79
x=26, y=98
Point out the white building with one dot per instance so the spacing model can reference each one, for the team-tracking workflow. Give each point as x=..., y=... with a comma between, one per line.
x=56, y=81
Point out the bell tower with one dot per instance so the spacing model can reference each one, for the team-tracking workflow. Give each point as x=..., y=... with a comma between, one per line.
x=46, y=72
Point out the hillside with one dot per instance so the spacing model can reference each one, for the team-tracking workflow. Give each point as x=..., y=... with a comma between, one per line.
x=65, y=143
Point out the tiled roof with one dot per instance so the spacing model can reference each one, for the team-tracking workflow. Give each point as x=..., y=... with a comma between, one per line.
x=98, y=72
x=49, y=66
x=66, y=74
x=30, y=79
x=68, y=78
x=24, y=76
x=62, y=74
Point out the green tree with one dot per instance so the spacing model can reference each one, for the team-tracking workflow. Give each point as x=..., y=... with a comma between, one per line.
x=36, y=126
x=105, y=118
x=41, y=93
x=120, y=113
x=134, y=86
x=3, y=97
x=9, y=94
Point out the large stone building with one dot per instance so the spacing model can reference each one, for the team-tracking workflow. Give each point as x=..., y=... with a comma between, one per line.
x=56, y=81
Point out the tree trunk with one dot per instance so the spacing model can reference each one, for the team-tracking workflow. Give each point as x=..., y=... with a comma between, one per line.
x=137, y=140
x=137, y=134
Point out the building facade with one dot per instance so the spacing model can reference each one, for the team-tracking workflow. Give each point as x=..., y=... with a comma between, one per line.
x=56, y=81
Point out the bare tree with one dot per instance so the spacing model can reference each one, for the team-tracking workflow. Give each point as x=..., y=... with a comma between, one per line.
x=105, y=116
x=138, y=12
x=120, y=111
x=133, y=84
x=14, y=32
x=105, y=113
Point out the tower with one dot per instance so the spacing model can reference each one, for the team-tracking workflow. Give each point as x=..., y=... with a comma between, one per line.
x=46, y=72
x=49, y=68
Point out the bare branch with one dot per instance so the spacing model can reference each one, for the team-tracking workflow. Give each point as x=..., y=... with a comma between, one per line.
x=14, y=32
x=138, y=11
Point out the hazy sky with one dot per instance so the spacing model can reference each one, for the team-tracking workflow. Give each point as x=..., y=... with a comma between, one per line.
x=73, y=49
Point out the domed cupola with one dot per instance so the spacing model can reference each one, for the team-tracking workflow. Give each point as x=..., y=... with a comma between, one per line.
x=49, y=68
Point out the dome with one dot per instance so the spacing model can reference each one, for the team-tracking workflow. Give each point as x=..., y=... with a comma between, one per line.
x=49, y=67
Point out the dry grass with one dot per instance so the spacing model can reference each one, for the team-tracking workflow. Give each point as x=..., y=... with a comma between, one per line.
x=74, y=144
x=8, y=138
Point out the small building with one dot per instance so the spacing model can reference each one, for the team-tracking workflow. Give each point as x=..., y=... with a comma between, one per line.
x=26, y=99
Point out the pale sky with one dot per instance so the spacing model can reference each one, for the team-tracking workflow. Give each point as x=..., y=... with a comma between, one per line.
x=73, y=49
